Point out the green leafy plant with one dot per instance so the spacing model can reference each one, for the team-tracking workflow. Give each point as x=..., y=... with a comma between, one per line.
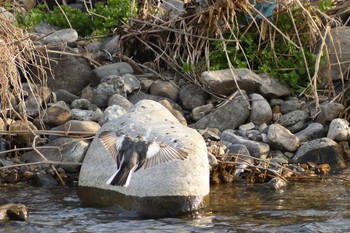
x=99, y=20
x=276, y=55
x=325, y=5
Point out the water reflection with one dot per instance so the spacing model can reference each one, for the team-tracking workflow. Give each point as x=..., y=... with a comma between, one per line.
x=301, y=207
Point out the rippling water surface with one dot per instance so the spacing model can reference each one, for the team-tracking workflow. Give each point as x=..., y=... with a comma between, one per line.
x=301, y=207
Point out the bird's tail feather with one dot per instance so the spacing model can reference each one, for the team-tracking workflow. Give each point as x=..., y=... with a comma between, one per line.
x=121, y=177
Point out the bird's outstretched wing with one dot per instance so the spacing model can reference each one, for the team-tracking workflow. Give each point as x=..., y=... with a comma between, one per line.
x=162, y=153
x=109, y=140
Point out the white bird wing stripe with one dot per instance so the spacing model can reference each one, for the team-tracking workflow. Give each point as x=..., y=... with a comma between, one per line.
x=152, y=150
x=165, y=154
x=109, y=140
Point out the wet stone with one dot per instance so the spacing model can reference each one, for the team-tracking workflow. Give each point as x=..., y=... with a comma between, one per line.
x=276, y=183
x=43, y=180
x=17, y=212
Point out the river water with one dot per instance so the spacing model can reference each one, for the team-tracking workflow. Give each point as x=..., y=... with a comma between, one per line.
x=301, y=207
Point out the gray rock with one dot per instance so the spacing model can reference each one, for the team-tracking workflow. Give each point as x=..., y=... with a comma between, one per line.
x=276, y=183
x=120, y=100
x=57, y=114
x=86, y=115
x=137, y=97
x=87, y=127
x=69, y=73
x=81, y=104
x=111, y=46
x=122, y=85
x=61, y=36
x=210, y=133
x=63, y=95
x=281, y=138
x=201, y=111
x=242, y=151
x=337, y=44
x=311, y=132
x=174, y=8
x=166, y=89
x=116, y=69
x=261, y=110
x=254, y=135
x=111, y=113
x=43, y=180
x=146, y=84
x=94, y=46
x=294, y=121
x=212, y=160
x=278, y=157
x=173, y=111
x=223, y=81
x=328, y=112
x=64, y=150
x=229, y=116
x=87, y=93
x=247, y=126
x=290, y=105
x=168, y=189
x=271, y=87
x=263, y=128
x=275, y=101
x=339, y=130
x=34, y=103
x=256, y=149
x=192, y=96
x=319, y=151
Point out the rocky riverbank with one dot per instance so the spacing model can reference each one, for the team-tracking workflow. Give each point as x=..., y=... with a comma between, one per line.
x=260, y=119
x=254, y=127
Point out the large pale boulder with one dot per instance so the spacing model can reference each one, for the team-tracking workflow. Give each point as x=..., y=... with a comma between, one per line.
x=172, y=188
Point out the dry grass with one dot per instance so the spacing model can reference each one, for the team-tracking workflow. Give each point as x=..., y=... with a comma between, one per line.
x=18, y=54
x=172, y=42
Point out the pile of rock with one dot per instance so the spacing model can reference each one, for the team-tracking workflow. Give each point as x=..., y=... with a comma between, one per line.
x=260, y=114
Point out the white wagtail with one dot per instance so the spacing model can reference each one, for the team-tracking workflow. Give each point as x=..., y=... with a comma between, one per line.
x=132, y=153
